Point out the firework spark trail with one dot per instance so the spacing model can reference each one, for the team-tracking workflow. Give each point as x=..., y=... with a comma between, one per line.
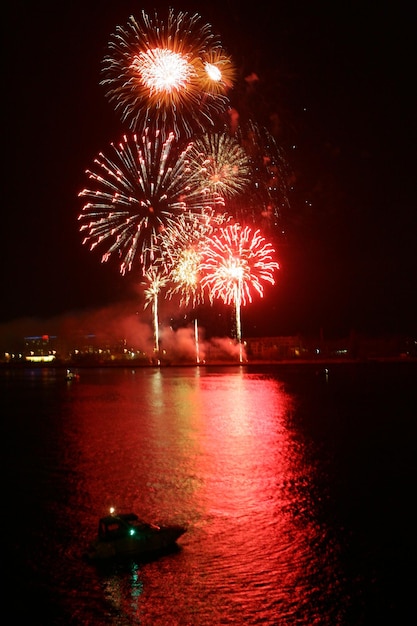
x=235, y=262
x=155, y=281
x=137, y=191
x=173, y=72
x=219, y=165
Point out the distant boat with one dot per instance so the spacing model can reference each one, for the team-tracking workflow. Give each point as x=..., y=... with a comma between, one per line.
x=125, y=535
x=72, y=375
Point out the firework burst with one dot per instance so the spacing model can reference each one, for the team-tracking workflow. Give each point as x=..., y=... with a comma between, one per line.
x=235, y=264
x=219, y=166
x=155, y=281
x=185, y=275
x=137, y=190
x=172, y=73
x=267, y=196
x=218, y=75
x=236, y=261
x=182, y=244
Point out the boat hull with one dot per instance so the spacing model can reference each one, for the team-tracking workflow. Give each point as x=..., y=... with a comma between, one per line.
x=142, y=543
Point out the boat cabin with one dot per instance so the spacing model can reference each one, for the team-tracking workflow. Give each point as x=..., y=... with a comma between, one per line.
x=117, y=526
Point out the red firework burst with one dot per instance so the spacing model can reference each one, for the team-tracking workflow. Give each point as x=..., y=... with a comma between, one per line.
x=235, y=262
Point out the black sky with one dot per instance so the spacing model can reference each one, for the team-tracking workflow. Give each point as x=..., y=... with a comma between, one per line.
x=339, y=78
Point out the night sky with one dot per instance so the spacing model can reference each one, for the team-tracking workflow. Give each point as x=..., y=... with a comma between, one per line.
x=338, y=82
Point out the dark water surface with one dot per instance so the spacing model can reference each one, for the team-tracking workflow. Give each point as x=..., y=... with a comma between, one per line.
x=297, y=485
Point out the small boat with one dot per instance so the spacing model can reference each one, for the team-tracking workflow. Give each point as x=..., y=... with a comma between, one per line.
x=125, y=535
x=70, y=375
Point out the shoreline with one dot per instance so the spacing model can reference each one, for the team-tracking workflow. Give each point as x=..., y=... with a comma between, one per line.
x=322, y=362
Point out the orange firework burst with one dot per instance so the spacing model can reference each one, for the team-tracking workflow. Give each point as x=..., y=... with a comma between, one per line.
x=218, y=72
x=173, y=73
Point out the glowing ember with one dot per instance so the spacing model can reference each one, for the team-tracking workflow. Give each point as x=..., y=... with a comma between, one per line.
x=218, y=71
x=213, y=72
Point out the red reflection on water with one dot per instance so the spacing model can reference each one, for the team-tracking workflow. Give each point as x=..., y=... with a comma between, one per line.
x=217, y=451
x=255, y=490
x=242, y=440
